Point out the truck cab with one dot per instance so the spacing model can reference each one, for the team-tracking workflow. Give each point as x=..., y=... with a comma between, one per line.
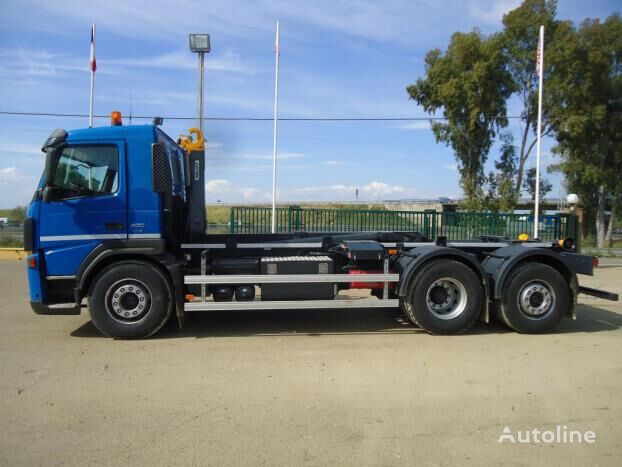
x=97, y=196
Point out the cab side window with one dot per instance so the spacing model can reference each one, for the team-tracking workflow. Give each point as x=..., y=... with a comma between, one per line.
x=87, y=171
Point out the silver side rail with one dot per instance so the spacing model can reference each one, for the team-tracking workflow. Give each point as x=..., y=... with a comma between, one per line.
x=291, y=305
x=288, y=278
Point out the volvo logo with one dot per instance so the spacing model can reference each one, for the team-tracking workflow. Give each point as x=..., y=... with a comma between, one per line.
x=137, y=225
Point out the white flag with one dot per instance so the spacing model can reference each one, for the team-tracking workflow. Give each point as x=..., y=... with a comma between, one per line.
x=93, y=61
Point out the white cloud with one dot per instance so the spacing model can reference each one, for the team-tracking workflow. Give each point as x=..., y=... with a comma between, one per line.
x=253, y=194
x=403, y=21
x=7, y=175
x=39, y=63
x=336, y=192
x=218, y=186
x=265, y=157
x=376, y=189
x=339, y=192
x=453, y=167
x=416, y=125
x=16, y=186
x=183, y=59
x=222, y=190
x=334, y=163
x=491, y=11
x=20, y=148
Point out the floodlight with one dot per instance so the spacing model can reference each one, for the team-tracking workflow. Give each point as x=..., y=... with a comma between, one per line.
x=200, y=43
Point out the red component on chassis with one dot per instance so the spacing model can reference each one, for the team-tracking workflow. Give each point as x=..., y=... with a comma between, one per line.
x=368, y=285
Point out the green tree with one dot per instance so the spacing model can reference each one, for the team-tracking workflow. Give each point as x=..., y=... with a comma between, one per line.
x=520, y=38
x=469, y=84
x=529, y=185
x=585, y=102
x=501, y=193
x=17, y=214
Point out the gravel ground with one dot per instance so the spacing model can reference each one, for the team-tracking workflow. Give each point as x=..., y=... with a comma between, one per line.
x=306, y=387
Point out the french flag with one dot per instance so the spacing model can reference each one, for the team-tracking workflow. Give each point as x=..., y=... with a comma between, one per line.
x=93, y=61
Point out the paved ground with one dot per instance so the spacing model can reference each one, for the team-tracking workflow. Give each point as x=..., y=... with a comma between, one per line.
x=315, y=388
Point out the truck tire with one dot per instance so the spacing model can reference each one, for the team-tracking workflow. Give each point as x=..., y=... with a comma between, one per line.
x=535, y=298
x=130, y=300
x=445, y=297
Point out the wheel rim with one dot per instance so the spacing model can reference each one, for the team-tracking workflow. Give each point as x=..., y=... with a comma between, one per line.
x=536, y=299
x=128, y=301
x=446, y=298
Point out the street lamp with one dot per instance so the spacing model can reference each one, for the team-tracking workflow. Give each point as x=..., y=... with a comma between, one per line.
x=200, y=43
x=573, y=200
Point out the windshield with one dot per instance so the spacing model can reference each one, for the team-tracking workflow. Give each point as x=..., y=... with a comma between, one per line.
x=87, y=170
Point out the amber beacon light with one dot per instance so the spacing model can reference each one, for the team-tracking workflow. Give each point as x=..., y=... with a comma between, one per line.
x=116, y=119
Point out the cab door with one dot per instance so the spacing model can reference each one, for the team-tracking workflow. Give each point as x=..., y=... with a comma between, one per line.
x=88, y=205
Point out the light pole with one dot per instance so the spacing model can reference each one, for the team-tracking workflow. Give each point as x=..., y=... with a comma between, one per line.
x=200, y=43
x=277, y=52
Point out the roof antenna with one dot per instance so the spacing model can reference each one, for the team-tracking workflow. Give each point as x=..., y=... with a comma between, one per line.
x=130, y=108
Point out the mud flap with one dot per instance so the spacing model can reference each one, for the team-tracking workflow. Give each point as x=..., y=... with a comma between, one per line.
x=177, y=276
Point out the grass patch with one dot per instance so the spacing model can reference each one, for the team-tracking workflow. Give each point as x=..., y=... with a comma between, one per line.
x=11, y=243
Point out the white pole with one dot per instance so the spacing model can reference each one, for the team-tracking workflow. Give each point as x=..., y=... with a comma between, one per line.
x=276, y=119
x=540, y=76
x=92, y=77
x=201, y=89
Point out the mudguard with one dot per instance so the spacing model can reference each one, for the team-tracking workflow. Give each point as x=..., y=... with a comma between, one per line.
x=152, y=250
x=499, y=263
x=412, y=261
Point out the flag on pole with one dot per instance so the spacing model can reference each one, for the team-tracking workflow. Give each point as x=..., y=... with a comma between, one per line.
x=93, y=61
x=538, y=60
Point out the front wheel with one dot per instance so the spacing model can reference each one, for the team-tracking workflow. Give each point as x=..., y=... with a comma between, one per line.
x=130, y=300
x=445, y=297
x=535, y=298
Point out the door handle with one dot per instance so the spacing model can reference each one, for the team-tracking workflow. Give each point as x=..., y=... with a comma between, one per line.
x=114, y=226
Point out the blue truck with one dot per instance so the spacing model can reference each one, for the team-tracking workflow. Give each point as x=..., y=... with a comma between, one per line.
x=118, y=225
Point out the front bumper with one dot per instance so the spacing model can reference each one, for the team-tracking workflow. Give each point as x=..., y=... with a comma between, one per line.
x=41, y=308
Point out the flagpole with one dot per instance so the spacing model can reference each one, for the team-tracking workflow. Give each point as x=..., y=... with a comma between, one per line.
x=276, y=119
x=540, y=67
x=92, y=75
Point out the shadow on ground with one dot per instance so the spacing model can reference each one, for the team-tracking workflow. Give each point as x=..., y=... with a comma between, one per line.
x=340, y=322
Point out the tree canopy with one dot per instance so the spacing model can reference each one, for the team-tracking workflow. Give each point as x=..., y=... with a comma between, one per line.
x=520, y=36
x=469, y=84
x=585, y=102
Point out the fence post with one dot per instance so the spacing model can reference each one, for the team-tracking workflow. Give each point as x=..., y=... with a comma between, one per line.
x=298, y=223
x=558, y=226
x=293, y=215
x=429, y=226
x=231, y=221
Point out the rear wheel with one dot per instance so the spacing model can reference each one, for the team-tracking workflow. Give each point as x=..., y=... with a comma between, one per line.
x=445, y=297
x=535, y=298
x=130, y=300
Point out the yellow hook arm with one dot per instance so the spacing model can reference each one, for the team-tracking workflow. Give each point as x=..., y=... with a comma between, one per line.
x=187, y=142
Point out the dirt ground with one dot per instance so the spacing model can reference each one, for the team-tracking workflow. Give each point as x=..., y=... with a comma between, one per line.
x=316, y=388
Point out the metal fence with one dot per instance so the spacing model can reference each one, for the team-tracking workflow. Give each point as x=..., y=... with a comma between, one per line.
x=432, y=224
x=11, y=234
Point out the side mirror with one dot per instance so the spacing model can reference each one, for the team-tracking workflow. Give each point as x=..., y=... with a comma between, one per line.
x=48, y=194
x=50, y=155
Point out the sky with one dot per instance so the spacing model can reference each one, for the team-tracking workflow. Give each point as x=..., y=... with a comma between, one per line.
x=339, y=58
